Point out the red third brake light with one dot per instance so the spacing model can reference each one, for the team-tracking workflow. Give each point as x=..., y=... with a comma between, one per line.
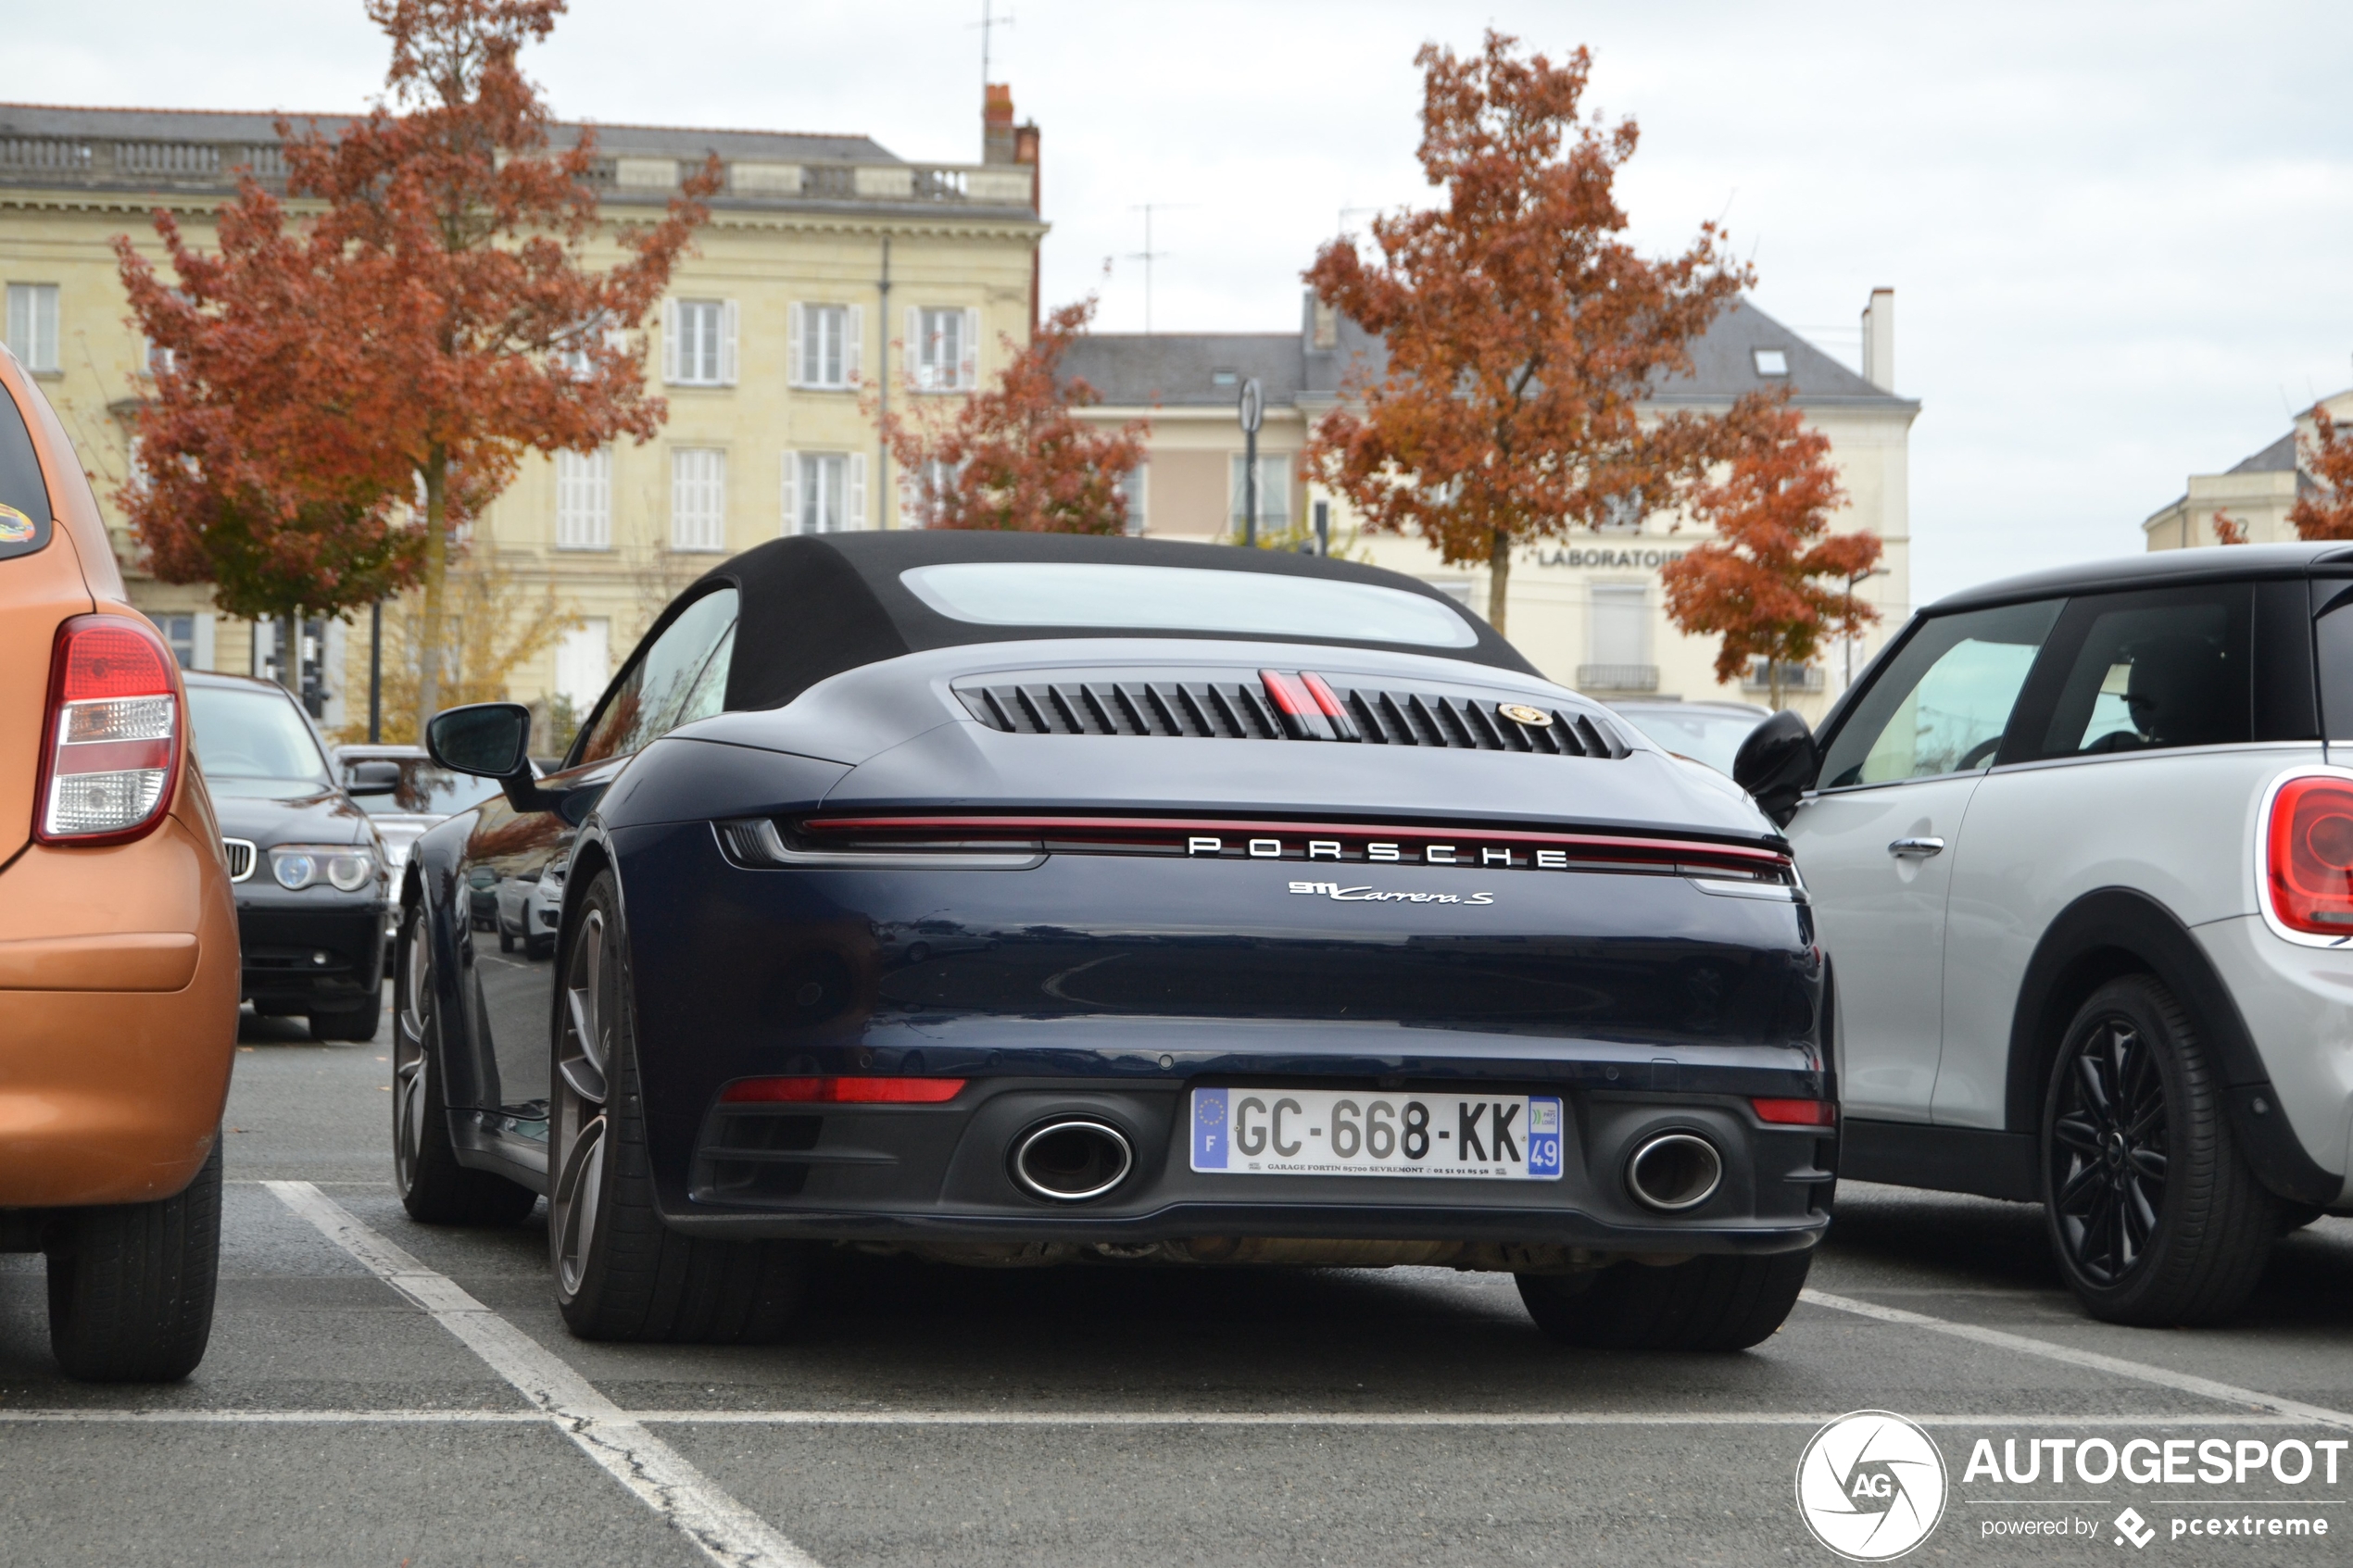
x=1796, y=1112
x=113, y=737
x=2310, y=859
x=841, y=1091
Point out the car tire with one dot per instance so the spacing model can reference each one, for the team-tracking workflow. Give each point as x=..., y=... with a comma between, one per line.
x=433, y=1187
x=2154, y=1217
x=505, y=937
x=1706, y=1303
x=360, y=1025
x=537, y=948
x=130, y=1285
x=621, y=1273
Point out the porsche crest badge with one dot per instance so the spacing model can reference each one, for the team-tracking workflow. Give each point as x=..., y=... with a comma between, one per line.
x=1520, y=713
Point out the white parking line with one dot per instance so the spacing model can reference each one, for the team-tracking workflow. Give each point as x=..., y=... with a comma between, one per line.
x=657, y=1473
x=2164, y=1377
x=1119, y=1418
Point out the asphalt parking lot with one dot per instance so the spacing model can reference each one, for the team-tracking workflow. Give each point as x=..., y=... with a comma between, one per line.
x=383, y=1393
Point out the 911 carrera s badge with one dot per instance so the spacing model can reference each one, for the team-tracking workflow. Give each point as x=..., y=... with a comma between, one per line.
x=1375, y=895
x=1520, y=713
x=14, y=527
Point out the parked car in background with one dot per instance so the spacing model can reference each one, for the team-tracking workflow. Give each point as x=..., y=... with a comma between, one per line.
x=1015, y=897
x=117, y=939
x=421, y=795
x=2080, y=845
x=1705, y=731
x=308, y=865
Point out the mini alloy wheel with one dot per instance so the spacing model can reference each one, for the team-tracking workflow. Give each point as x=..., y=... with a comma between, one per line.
x=2107, y=1151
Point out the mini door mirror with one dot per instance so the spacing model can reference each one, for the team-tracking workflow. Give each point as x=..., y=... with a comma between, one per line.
x=1776, y=764
x=373, y=778
x=490, y=740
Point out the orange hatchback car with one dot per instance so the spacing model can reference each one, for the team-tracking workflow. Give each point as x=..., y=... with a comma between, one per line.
x=118, y=935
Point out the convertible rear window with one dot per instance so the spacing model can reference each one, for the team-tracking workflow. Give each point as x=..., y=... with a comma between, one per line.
x=1175, y=598
x=24, y=498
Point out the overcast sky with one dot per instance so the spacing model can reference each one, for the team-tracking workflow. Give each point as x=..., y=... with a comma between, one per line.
x=2119, y=235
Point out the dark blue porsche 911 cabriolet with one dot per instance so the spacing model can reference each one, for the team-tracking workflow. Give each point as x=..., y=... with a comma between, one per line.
x=1015, y=898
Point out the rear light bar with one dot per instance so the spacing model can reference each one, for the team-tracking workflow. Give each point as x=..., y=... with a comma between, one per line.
x=2308, y=855
x=1796, y=1112
x=114, y=734
x=1337, y=842
x=841, y=1091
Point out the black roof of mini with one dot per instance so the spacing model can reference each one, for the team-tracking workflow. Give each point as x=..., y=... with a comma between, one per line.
x=816, y=605
x=2210, y=563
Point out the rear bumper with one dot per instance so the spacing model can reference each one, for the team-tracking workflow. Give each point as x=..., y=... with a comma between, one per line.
x=2297, y=1003
x=116, y=1041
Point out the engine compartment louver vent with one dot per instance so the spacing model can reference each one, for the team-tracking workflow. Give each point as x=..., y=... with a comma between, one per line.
x=1247, y=710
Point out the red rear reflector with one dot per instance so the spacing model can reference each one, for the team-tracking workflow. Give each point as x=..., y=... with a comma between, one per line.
x=1796, y=1112
x=112, y=660
x=841, y=1091
x=2310, y=856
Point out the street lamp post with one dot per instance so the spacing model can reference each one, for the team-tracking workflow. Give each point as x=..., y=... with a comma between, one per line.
x=1851, y=582
x=1252, y=410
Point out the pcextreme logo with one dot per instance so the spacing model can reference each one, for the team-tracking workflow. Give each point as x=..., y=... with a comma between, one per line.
x=1870, y=1486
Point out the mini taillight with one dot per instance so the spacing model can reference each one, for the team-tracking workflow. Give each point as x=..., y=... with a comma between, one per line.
x=2311, y=859
x=1796, y=1112
x=112, y=741
x=841, y=1091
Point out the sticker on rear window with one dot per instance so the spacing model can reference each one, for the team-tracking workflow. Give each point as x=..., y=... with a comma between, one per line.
x=19, y=534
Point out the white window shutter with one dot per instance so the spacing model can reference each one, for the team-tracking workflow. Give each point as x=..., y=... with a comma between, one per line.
x=854, y=514
x=792, y=494
x=669, y=340
x=854, y=351
x=727, y=315
x=968, y=373
x=794, y=337
x=910, y=514
x=913, y=348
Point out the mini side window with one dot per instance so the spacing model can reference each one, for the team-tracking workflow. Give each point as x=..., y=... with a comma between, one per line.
x=679, y=677
x=1944, y=703
x=2150, y=671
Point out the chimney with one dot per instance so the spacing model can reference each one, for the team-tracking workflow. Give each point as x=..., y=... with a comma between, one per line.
x=1879, y=340
x=997, y=124
x=1025, y=154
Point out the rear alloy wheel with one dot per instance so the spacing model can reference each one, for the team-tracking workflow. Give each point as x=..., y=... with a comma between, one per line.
x=1706, y=1303
x=130, y=1285
x=433, y=1187
x=2154, y=1218
x=621, y=1273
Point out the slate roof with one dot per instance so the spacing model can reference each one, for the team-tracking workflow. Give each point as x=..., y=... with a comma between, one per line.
x=2278, y=458
x=44, y=121
x=1176, y=370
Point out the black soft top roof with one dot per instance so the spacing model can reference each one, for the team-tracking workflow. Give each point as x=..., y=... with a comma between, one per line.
x=816, y=605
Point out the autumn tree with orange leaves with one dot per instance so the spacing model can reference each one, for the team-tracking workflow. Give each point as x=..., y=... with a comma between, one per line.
x=1523, y=330
x=342, y=391
x=1774, y=583
x=1017, y=456
x=2325, y=511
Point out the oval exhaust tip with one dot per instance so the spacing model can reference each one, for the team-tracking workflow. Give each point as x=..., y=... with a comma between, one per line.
x=1674, y=1172
x=1072, y=1160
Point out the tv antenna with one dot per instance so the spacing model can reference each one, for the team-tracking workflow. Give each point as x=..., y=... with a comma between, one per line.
x=988, y=24
x=1147, y=254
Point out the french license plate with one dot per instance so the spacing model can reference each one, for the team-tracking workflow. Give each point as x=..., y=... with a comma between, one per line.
x=1346, y=1133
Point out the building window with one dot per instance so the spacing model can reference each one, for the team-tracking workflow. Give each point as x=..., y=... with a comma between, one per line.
x=1771, y=361
x=1135, y=487
x=943, y=350
x=1624, y=512
x=923, y=493
x=826, y=345
x=698, y=498
x=180, y=631
x=32, y=325
x=699, y=341
x=1618, y=640
x=825, y=492
x=1274, y=491
x=583, y=663
x=584, y=500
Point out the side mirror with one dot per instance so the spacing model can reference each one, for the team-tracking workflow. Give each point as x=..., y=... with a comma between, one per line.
x=490, y=740
x=373, y=778
x=1776, y=764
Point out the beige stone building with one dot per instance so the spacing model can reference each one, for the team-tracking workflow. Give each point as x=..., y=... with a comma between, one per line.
x=833, y=273
x=2256, y=492
x=1587, y=610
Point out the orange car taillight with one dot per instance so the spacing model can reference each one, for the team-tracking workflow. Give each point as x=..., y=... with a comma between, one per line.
x=112, y=743
x=2309, y=858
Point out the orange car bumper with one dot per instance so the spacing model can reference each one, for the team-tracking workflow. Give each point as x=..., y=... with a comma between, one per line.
x=118, y=1017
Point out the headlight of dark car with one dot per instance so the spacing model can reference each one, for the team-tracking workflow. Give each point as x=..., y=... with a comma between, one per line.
x=343, y=867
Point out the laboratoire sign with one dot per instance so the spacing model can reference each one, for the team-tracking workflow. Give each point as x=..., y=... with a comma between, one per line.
x=1608, y=558
x=1872, y=1486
